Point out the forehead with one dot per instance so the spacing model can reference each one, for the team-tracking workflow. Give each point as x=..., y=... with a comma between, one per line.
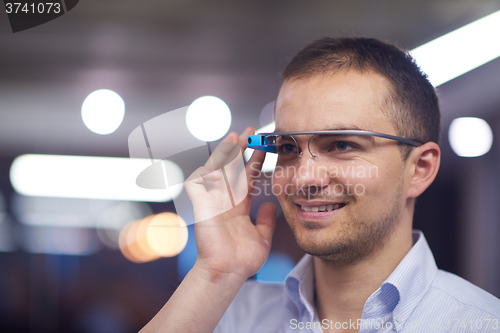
x=346, y=99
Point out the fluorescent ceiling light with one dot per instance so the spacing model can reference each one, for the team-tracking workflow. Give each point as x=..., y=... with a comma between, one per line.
x=85, y=177
x=460, y=51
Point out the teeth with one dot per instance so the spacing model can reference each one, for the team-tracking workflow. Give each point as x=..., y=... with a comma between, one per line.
x=323, y=208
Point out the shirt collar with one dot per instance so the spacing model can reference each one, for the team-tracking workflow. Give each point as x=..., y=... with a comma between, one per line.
x=300, y=285
x=399, y=293
x=412, y=278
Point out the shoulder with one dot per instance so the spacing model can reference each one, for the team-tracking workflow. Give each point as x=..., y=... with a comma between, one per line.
x=451, y=296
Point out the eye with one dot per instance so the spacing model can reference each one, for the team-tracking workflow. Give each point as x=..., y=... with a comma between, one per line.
x=343, y=145
x=287, y=148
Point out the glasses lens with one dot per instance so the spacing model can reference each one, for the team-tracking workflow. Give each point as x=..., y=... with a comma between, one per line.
x=286, y=147
x=339, y=146
x=326, y=143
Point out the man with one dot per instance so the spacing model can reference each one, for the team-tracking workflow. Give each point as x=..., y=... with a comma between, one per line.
x=348, y=194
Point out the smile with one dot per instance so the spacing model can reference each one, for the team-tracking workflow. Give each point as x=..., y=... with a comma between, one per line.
x=321, y=208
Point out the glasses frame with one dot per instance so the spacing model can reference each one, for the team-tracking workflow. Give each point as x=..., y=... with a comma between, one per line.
x=266, y=141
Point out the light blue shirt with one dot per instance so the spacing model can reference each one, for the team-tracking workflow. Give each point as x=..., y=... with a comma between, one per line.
x=416, y=297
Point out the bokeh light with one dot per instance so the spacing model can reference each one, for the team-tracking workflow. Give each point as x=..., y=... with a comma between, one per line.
x=103, y=111
x=125, y=246
x=138, y=243
x=470, y=136
x=167, y=234
x=133, y=242
x=208, y=118
x=160, y=235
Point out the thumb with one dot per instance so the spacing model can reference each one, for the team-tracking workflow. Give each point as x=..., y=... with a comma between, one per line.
x=266, y=221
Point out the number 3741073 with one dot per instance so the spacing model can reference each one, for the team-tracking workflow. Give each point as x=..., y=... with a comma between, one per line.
x=38, y=8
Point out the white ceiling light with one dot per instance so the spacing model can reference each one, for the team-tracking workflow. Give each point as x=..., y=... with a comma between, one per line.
x=208, y=118
x=87, y=177
x=103, y=111
x=460, y=51
x=470, y=137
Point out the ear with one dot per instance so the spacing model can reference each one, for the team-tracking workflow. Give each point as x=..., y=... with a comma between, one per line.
x=423, y=165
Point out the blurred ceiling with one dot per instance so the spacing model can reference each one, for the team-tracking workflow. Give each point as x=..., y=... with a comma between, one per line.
x=161, y=55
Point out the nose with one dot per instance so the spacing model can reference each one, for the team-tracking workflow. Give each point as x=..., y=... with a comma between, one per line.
x=310, y=174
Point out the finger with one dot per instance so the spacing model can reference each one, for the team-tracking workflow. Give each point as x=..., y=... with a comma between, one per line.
x=207, y=193
x=200, y=182
x=266, y=222
x=195, y=184
x=254, y=164
x=245, y=183
x=228, y=156
x=228, y=159
x=231, y=156
x=228, y=150
x=231, y=137
x=224, y=152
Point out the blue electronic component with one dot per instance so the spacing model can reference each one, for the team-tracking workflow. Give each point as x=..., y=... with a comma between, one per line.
x=262, y=142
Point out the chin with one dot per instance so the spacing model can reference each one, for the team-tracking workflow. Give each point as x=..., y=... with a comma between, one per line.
x=346, y=245
x=338, y=253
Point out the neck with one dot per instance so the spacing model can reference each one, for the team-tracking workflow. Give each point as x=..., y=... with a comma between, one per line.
x=341, y=291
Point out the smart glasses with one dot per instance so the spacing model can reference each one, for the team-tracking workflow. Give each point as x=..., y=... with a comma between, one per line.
x=334, y=142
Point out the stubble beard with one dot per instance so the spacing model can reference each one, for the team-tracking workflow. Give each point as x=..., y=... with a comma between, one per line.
x=356, y=240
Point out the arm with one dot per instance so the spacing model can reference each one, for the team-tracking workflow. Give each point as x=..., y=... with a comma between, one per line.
x=230, y=249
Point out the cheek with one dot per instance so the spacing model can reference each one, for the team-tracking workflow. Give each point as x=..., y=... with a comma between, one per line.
x=374, y=185
x=282, y=183
x=355, y=179
x=279, y=182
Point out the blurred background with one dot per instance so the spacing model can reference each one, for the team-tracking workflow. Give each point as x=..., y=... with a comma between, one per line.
x=89, y=262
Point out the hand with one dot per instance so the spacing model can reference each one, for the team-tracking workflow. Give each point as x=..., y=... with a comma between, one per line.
x=228, y=243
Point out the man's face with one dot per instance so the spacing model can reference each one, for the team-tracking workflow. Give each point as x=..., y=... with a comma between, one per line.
x=363, y=182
